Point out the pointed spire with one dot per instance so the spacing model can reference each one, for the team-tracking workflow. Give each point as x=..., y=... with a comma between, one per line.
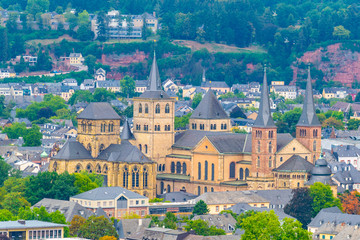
x=154, y=78
x=308, y=116
x=203, y=75
x=126, y=133
x=264, y=118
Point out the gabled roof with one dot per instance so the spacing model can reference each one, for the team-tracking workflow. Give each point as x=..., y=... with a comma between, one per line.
x=108, y=193
x=308, y=116
x=264, y=118
x=334, y=215
x=73, y=150
x=126, y=133
x=209, y=108
x=99, y=111
x=68, y=208
x=124, y=152
x=295, y=164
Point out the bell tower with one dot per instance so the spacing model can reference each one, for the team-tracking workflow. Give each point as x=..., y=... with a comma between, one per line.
x=308, y=129
x=154, y=115
x=264, y=139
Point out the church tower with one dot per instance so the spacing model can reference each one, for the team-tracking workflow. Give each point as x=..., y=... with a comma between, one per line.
x=153, y=122
x=263, y=144
x=98, y=127
x=308, y=129
x=210, y=115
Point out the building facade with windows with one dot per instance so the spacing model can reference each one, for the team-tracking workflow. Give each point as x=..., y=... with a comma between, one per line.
x=115, y=201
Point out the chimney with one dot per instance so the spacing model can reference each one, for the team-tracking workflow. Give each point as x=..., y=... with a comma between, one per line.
x=154, y=14
x=22, y=222
x=140, y=222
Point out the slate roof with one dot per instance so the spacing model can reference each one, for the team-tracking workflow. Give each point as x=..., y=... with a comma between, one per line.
x=107, y=193
x=344, y=173
x=124, y=152
x=224, y=142
x=126, y=133
x=177, y=196
x=264, y=118
x=244, y=207
x=308, y=116
x=127, y=227
x=73, y=150
x=225, y=222
x=69, y=209
x=209, y=108
x=346, y=151
x=214, y=84
x=154, y=83
x=283, y=139
x=28, y=224
x=334, y=215
x=295, y=164
x=277, y=198
x=320, y=173
x=231, y=197
x=99, y=111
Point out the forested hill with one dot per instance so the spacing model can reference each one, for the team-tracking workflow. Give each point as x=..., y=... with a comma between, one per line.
x=284, y=28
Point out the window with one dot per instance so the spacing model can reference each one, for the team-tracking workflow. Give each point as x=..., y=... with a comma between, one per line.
x=241, y=174
x=232, y=170
x=314, y=145
x=214, y=126
x=199, y=171
x=146, y=108
x=178, y=167
x=258, y=162
x=212, y=172
x=222, y=126
x=247, y=173
x=157, y=108
x=146, y=127
x=146, y=148
x=258, y=147
x=217, y=209
x=157, y=127
x=125, y=177
x=205, y=189
x=193, y=125
x=271, y=134
x=212, y=189
x=225, y=126
x=167, y=108
x=135, y=177
x=140, y=148
x=281, y=159
x=199, y=190
x=270, y=147
x=270, y=163
x=184, y=168
x=140, y=108
x=206, y=170
x=172, y=167
x=111, y=127
x=315, y=132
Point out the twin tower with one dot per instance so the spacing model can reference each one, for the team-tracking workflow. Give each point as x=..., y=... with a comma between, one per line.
x=266, y=142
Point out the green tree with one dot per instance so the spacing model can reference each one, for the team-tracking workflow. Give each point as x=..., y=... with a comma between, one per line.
x=97, y=227
x=4, y=171
x=170, y=220
x=202, y=228
x=84, y=33
x=353, y=124
x=266, y=225
x=76, y=224
x=103, y=95
x=200, y=208
x=90, y=62
x=6, y=215
x=84, y=183
x=14, y=202
x=299, y=206
x=127, y=85
x=196, y=100
x=37, y=6
x=181, y=122
x=33, y=136
x=322, y=198
x=4, y=44
x=81, y=96
x=341, y=33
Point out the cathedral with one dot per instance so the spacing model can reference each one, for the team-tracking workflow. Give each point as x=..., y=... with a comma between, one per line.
x=153, y=158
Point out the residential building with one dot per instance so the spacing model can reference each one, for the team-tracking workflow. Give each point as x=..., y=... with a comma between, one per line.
x=100, y=75
x=110, y=85
x=337, y=232
x=345, y=175
x=178, y=208
x=87, y=84
x=140, y=86
x=347, y=154
x=218, y=201
x=170, y=85
x=115, y=201
x=244, y=207
x=67, y=92
x=244, y=88
x=225, y=221
x=32, y=229
x=71, y=82
x=217, y=86
x=334, y=92
x=277, y=83
x=288, y=92
x=333, y=216
x=76, y=59
x=180, y=196
x=127, y=227
x=68, y=208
